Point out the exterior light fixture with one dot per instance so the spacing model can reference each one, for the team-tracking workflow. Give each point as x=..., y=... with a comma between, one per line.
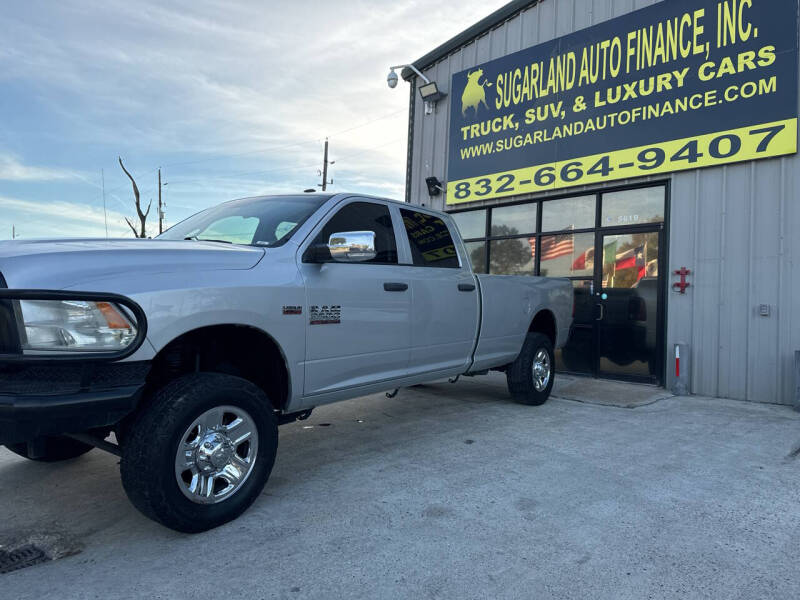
x=429, y=92
x=434, y=186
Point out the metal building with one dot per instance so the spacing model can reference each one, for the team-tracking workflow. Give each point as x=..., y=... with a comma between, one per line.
x=731, y=224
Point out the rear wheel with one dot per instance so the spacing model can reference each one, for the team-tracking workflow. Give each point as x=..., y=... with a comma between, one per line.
x=201, y=452
x=530, y=377
x=51, y=449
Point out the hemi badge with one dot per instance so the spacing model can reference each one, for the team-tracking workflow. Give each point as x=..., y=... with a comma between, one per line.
x=293, y=310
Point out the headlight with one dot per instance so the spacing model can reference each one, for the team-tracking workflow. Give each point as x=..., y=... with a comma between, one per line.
x=74, y=325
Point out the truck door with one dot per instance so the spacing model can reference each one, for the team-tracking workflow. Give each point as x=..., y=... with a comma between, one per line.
x=358, y=314
x=446, y=302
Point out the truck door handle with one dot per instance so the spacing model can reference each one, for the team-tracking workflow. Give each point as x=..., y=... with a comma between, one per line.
x=395, y=287
x=466, y=287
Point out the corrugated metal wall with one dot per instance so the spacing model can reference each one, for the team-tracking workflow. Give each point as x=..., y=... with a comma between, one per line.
x=736, y=227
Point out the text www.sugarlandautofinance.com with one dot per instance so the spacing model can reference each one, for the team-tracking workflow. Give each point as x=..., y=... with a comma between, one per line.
x=611, y=120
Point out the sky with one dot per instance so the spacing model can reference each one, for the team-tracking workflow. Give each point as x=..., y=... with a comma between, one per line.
x=230, y=99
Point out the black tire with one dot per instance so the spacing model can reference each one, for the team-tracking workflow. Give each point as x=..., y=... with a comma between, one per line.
x=52, y=449
x=520, y=375
x=151, y=443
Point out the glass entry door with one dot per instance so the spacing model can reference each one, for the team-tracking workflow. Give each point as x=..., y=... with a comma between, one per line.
x=627, y=305
x=616, y=329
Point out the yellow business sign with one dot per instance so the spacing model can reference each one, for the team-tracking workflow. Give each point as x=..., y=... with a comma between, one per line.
x=679, y=85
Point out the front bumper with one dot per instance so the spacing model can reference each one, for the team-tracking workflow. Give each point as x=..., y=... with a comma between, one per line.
x=53, y=399
x=67, y=393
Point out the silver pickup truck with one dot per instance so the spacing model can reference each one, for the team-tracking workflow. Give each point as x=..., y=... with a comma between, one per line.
x=193, y=347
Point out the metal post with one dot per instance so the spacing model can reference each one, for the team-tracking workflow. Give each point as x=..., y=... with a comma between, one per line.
x=325, y=167
x=680, y=364
x=160, y=209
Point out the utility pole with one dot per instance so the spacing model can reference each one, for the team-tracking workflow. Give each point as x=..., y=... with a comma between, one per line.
x=160, y=208
x=325, y=164
x=103, y=188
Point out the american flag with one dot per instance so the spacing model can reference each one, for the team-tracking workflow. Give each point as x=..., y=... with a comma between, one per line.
x=555, y=246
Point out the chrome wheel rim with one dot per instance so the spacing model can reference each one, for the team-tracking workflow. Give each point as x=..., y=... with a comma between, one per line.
x=216, y=454
x=541, y=370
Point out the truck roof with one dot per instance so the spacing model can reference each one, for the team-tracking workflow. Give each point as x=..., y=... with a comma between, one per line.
x=322, y=196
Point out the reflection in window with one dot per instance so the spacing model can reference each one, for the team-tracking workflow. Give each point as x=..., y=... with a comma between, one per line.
x=471, y=224
x=512, y=257
x=569, y=213
x=633, y=207
x=430, y=240
x=576, y=355
x=629, y=259
x=364, y=216
x=236, y=229
x=567, y=255
x=514, y=220
x=477, y=256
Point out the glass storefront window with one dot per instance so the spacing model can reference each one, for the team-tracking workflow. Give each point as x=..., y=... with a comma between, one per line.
x=471, y=224
x=477, y=255
x=629, y=259
x=512, y=257
x=569, y=213
x=633, y=207
x=514, y=220
x=567, y=255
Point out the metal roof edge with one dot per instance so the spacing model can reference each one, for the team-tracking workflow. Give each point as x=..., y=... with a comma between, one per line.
x=468, y=35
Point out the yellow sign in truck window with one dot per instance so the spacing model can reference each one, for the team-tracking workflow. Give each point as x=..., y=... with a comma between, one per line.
x=679, y=85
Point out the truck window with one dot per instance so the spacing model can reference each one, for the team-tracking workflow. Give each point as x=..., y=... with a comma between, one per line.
x=263, y=221
x=365, y=216
x=430, y=240
x=236, y=230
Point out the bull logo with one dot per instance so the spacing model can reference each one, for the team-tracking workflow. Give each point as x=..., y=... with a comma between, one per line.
x=474, y=93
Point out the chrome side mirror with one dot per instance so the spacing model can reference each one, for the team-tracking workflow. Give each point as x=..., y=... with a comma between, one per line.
x=352, y=246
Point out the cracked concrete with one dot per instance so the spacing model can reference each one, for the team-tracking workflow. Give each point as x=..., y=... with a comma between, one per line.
x=452, y=491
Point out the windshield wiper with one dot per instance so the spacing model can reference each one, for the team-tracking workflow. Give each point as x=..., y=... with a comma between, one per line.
x=194, y=238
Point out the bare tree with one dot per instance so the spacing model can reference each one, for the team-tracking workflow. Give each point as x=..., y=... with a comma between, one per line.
x=142, y=215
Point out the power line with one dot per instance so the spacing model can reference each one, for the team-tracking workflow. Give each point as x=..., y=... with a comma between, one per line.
x=140, y=176
x=264, y=172
x=284, y=146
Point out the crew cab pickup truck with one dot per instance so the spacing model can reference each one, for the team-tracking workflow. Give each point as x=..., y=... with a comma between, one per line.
x=193, y=347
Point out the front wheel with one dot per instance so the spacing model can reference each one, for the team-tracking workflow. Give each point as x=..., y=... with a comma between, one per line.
x=530, y=377
x=201, y=452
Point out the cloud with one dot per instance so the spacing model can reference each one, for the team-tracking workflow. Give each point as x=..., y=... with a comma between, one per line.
x=58, y=219
x=230, y=99
x=11, y=169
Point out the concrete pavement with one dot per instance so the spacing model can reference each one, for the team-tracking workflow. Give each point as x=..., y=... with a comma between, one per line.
x=451, y=491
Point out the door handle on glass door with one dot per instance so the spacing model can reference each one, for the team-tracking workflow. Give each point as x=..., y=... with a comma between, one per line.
x=602, y=312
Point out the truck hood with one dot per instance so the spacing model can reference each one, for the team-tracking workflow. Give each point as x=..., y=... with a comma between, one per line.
x=56, y=264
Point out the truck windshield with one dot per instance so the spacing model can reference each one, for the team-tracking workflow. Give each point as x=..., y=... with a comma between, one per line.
x=268, y=221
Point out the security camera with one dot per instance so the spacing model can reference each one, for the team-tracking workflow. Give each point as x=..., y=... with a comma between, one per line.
x=391, y=79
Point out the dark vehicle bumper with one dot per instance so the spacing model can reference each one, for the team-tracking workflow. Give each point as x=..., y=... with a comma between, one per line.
x=43, y=399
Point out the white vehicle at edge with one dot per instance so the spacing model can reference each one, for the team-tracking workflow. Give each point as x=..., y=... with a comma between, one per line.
x=193, y=347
